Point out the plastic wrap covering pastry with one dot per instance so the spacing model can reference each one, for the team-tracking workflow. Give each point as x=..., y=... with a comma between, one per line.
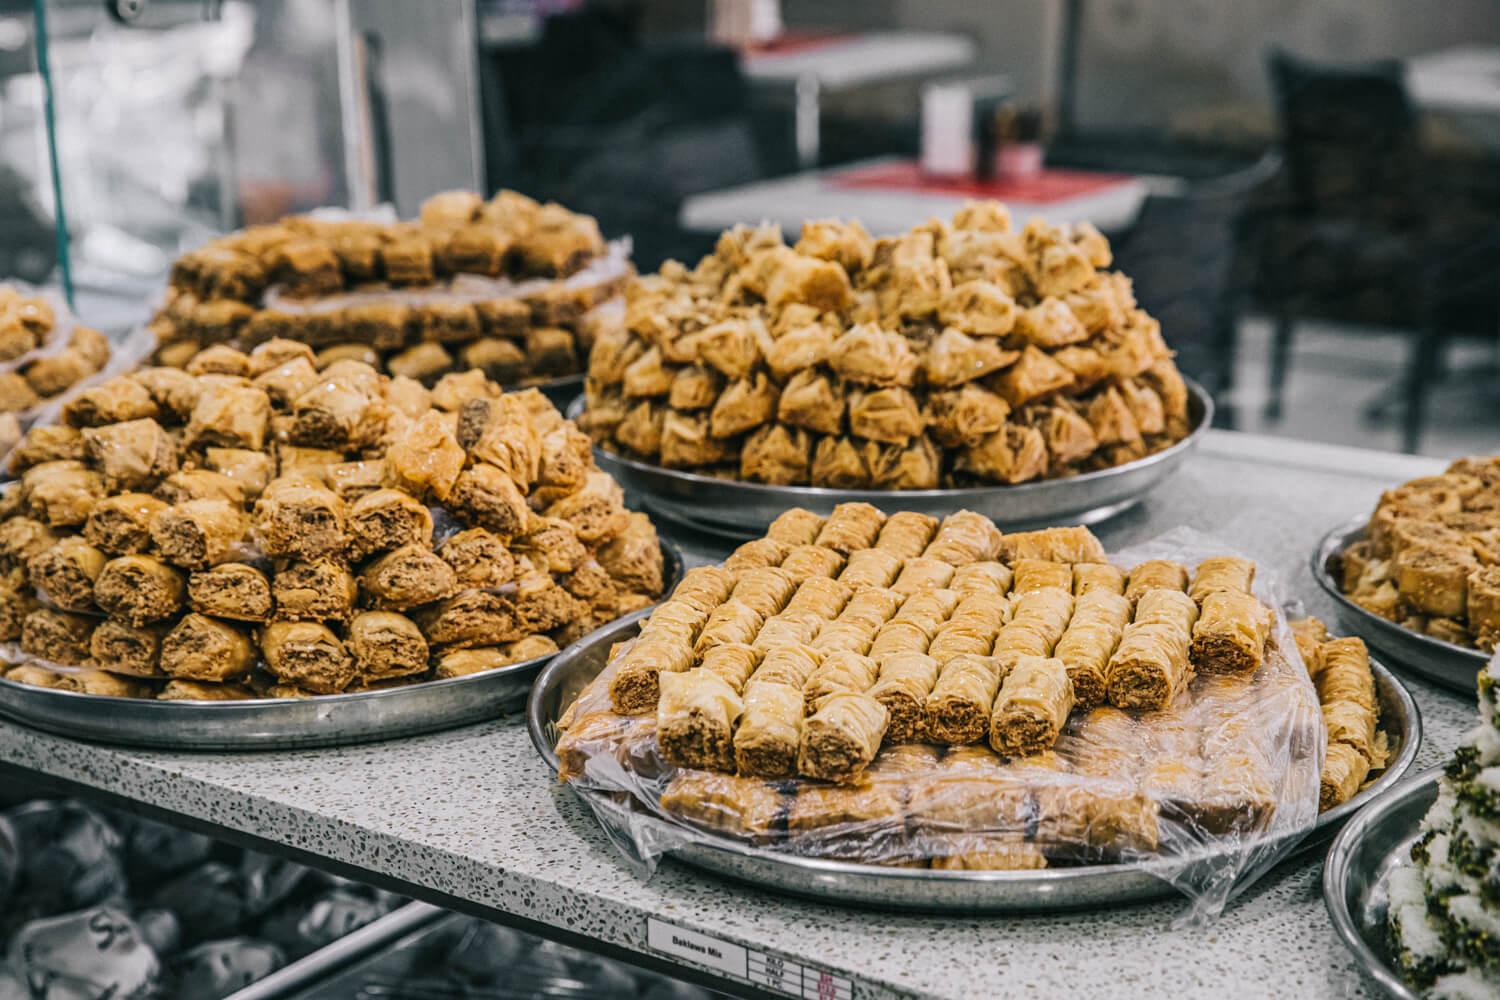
x=1151, y=664
x=1032, y=707
x=745, y=807
x=1230, y=634
x=1093, y=633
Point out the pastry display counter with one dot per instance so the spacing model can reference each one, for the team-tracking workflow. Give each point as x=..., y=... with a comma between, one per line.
x=474, y=818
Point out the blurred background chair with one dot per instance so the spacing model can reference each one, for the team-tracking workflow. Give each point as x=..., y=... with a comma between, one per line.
x=1358, y=232
x=1182, y=254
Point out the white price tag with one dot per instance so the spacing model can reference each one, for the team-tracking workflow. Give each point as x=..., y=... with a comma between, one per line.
x=775, y=973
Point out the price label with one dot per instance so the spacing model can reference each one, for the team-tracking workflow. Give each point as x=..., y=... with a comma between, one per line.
x=768, y=971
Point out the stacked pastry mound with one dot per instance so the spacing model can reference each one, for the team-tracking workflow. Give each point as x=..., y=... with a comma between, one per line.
x=508, y=286
x=266, y=528
x=1430, y=558
x=1356, y=748
x=958, y=353
x=34, y=366
x=946, y=693
x=1445, y=907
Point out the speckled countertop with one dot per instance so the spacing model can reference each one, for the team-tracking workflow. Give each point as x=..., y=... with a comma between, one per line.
x=476, y=814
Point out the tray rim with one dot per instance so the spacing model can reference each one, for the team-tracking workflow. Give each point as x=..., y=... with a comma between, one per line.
x=1049, y=879
x=1338, y=868
x=162, y=713
x=1334, y=542
x=770, y=492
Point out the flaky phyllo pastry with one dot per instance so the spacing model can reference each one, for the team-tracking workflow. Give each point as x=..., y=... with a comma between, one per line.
x=211, y=535
x=959, y=352
x=907, y=690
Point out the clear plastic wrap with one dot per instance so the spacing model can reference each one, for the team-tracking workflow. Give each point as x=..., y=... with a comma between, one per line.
x=1206, y=793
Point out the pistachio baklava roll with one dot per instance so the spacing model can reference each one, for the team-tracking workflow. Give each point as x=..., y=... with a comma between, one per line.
x=1155, y=574
x=796, y=526
x=1097, y=576
x=805, y=562
x=139, y=589
x=1032, y=707
x=984, y=577
x=1151, y=664
x=958, y=708
x=851, y=526
x=964, y=537
x=756, y=554
x=843, y=670
x=1069, y=545
x=1037, y=622
x=1230, y=634
x=1221, y=573
x=1035, y=574
x=734, y=621
x=770, y=730
x=695, y=719
x=1099, y=620
x=841, y=738
x=920, y=573
x=906, y=534
x=871, y=568
x=906, y=679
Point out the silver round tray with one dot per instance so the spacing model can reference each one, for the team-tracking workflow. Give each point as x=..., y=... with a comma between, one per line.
x=926, y=889
x=748, y=508
x=1445, y=663
x=285, y=723
x=1365, y=851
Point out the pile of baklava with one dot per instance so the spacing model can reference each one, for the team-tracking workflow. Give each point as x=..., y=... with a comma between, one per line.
x=1430, y=558
x=40, y=357
x=900, y=690
x=514, y=288
x=254, y=525
x=958, y=353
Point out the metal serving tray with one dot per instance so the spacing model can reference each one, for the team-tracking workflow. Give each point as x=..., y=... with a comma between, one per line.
x=925, y=889
x=285, y=723
x=1376, y=841
x=1445, y=663
x=746, y=509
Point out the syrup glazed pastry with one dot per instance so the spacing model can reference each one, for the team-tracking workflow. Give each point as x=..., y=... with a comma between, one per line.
x=286, y=545
x=42, y=353
x=1430, y=558
x=512, y=289
x=959, y=353
x=910, y=698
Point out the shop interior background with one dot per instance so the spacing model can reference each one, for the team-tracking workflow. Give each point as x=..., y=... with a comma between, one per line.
x=1305, y=194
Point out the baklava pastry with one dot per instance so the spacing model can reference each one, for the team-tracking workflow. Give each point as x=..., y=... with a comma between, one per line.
x=1032, y=707
x=296, y=518
x=48, y=443
x=920, y=573
x=791, y=664
x=386, y=519
x=770, y=731
x=1035, y=574
x=197, y=534
x=983, y=577
x=64, y=574
x=777, y=454
x=62, y=493
x=1155, y=574
x=744, y=405
x=308, y=655
x=231, y=416
x=115, y=401
x=1231, y=632
x=906, y=679
x=139, y=589
x=757, y=553
x=906, y=534
x=1013, y=454
x=841, y=738
x=635, y=688
x=1037, y=623
x=965, y=416
x=1088, y=577
x=965, y=537
x=958, y=708
x=804, y=562
x=315, y=590
x=1098, y=622
x=1221, y=573
x=819, y=596
x=249, y=470
x=200, y=648
x=21, y=538
x=868, y=354
x=870, y=568
x=236, y=591
x=889, y=415
x=1151, y=664
x=131, y=455
x=839, y=671
x=954, y=358
x=695, y=719
x=406, y=577
x=57, y=636
x=1434, y=580
x=1068, y=545
x=386, y=645
x=748, y=808
x=127, y=649
x=178, y=689
x=1344, y=772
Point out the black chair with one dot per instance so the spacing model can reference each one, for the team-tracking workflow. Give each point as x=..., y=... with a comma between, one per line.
x=1353, y=235
x=1181, y=254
